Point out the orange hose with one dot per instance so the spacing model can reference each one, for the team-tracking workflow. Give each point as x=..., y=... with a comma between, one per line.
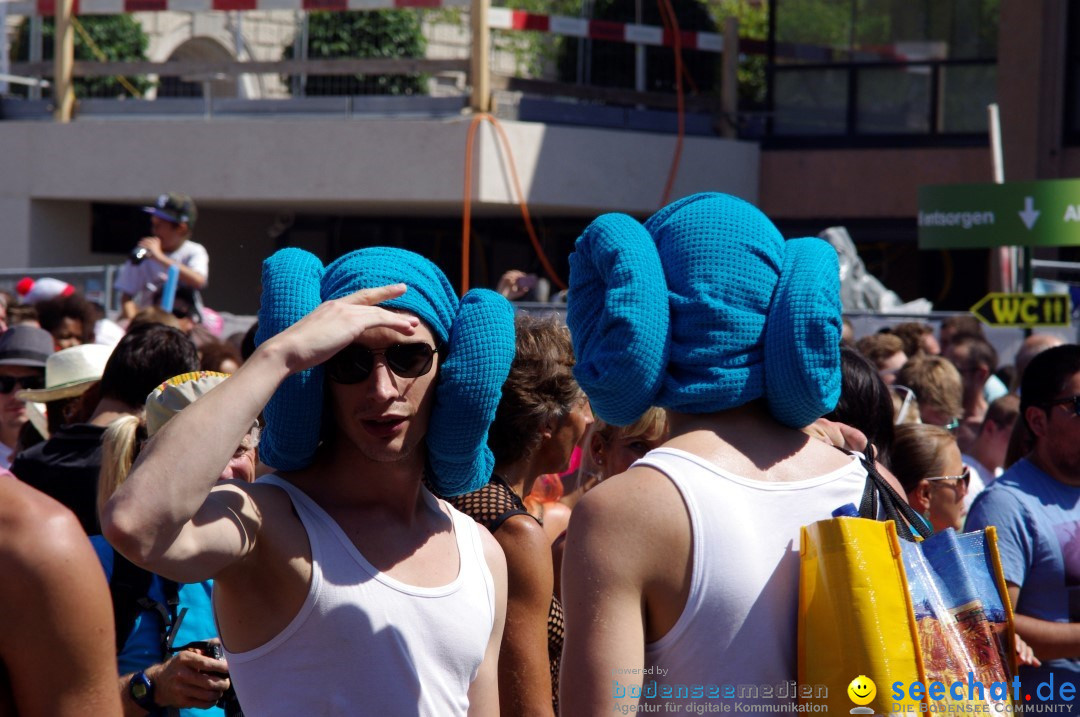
x=466, y=214
x=671, y=22
x=467, y=210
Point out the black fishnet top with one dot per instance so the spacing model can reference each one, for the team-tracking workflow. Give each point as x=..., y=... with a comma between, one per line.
x=491, y=506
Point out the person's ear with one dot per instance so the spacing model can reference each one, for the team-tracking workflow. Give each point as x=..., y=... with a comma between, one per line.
x=596, y=448
x=1037, y=420
x=920, y=497
x=548, y=429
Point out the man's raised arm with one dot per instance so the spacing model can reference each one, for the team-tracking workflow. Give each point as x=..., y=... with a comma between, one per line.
x=164, y=517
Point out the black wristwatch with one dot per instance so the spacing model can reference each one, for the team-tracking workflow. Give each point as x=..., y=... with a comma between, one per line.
x=141, y=690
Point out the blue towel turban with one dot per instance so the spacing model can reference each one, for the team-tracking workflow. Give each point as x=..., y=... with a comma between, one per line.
x=703, y=308
x=477, y=335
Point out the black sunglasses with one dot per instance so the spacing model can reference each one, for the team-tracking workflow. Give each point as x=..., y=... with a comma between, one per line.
x=27, y=383
x=354, y=363
x=1072, y=402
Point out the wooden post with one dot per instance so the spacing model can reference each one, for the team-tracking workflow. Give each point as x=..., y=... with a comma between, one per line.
x=64, y=62
x=480, y=69
x=729, y=81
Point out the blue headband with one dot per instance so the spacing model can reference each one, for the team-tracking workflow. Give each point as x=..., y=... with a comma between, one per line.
x=477, y=333
x=702, y=309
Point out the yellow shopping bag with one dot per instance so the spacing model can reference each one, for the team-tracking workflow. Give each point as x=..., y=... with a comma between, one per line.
x=855, y=613
x=927, y=624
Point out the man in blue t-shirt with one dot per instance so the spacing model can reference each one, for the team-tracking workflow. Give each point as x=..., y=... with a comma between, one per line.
x=1035, y=506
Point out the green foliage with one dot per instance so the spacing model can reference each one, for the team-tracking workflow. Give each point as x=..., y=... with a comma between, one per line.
x=377, y=33
x=753, y=20
x=119, y=37
x=815, y=22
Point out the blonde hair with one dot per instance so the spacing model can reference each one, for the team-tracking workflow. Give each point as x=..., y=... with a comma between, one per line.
x=119, y=448
x=936, y=383
x=651, y=426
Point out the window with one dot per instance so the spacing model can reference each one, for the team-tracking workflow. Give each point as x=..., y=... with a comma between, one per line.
x=882, y=72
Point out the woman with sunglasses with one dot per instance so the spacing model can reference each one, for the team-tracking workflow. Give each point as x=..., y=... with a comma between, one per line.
x=165, y=666
x=541, y=417
x=927, y=461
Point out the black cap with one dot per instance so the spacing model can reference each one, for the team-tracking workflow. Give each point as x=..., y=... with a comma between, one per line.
x=175, y=208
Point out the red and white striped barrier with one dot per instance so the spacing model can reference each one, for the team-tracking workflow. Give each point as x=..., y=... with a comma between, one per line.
x=112, y=7
x=501, y=18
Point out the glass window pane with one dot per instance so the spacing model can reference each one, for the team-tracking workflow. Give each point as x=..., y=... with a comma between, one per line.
x=877, y=30
x=810, y=101
x=965, y=92
x=893, y=100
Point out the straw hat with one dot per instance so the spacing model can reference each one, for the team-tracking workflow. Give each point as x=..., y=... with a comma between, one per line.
x=70, y=372
x=176, y=394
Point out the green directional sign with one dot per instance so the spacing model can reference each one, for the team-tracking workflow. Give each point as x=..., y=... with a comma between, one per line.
x=970, y=216
x=1027, y=311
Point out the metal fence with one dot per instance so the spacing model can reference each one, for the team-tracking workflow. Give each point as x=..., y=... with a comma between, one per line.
x=573, y=50
x=94, y=282
x=257, y=55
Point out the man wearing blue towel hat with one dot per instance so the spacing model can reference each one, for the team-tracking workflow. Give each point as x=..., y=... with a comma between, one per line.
x=342, y=585
x=681, y=574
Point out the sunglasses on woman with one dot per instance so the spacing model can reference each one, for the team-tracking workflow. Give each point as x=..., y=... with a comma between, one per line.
x=26, y=383
x=354, y=363
x=964, y=477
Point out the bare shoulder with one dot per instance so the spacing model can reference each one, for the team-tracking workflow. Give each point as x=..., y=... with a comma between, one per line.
x=521, y=535
x=620, y=503
x=35, y=530
x=641, y=509
x=268, y=519
x=493, y=555
x=66, y=629
x=818, y=458
x=264, y=508
x=262, y=495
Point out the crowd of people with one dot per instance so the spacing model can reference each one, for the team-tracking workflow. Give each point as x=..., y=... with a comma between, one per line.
x=387, y=499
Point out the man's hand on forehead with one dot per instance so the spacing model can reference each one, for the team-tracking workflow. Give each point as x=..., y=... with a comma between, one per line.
x=336, y=324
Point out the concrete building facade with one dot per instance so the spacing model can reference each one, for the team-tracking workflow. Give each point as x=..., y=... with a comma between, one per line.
x=262, y=181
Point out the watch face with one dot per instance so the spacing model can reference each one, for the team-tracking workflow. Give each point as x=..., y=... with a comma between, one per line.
x=138, y=690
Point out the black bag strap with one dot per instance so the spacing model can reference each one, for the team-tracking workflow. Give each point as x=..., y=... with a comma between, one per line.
x=128, y=584
x=879, y=497
x=129, y=587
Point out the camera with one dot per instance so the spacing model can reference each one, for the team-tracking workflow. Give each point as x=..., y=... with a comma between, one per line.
x=228, y=701
x=138, y=254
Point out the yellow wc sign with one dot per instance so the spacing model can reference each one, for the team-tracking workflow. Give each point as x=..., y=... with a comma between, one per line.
x=1026, y=311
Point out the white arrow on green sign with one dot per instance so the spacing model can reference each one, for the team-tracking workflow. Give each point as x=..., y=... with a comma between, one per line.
x=970, y=216
x=1026, y=311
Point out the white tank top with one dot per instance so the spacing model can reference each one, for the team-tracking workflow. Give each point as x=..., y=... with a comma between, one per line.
x=739, y=623
x=364, y=643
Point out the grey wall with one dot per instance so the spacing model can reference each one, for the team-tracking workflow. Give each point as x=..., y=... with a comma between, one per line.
x=245, y=172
